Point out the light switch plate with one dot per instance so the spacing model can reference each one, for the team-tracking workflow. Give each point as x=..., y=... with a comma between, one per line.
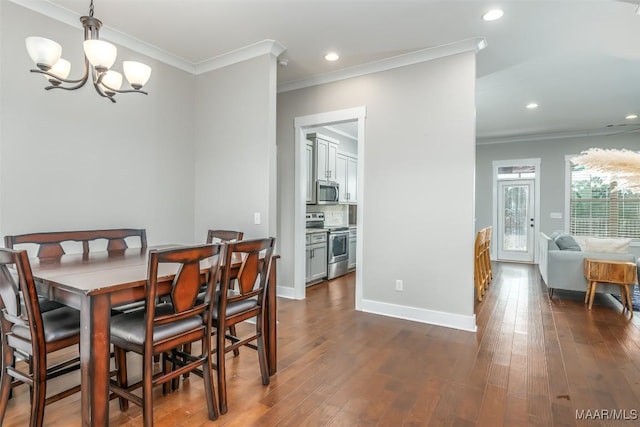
x=256, y=218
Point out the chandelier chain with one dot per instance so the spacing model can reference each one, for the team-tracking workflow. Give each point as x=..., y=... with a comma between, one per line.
x=91, y=9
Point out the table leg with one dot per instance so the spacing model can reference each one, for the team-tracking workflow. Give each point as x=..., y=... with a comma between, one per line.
x=588, y=293
x=592, y=293
x=271, y=337
x=629, y=303
x=94, y=358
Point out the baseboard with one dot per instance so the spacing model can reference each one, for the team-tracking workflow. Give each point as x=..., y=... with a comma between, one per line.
x=285, y=292
x=432, y=317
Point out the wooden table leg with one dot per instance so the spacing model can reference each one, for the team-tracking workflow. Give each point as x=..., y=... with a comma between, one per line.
x=271, y=336
x=592, y=293
x=94, y=358
x=628, y=295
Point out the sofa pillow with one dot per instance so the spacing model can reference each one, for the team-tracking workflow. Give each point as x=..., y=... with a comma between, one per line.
x=614, y=246
x=556, y=234
x=567, y=243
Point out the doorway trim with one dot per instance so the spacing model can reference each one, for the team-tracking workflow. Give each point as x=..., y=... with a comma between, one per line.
x=536, y=229
x=300, y=124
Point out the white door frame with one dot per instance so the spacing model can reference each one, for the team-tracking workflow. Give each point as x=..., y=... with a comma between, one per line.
x=299, y=245
x=536, y=230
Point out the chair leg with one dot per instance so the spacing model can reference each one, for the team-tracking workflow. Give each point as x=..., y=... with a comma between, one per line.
x=186, y=348
x=121, y=374
x=5, y=381
x=262, y=355
x=222, y=382
x=147, y=390
x=38, y=396
x=232, y=331
x=210, y=393
x=167, y=367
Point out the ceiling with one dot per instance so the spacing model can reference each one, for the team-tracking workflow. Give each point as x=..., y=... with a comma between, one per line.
x=579, y=60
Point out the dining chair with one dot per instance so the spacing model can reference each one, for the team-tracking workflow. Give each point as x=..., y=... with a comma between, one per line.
x=29, y=332
x=164, y=328
x=237, y=305
x=479, y=266
x=224, y=235
x=50, y=244
x=487, y=254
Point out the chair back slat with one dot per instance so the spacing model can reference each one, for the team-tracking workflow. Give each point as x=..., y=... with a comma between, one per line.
x=249, y=272
x=183, y=293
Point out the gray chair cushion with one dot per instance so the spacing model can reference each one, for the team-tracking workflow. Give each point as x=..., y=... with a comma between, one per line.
x=234, y=307
x=58, y=324
x=567, y=243
x=130, y=327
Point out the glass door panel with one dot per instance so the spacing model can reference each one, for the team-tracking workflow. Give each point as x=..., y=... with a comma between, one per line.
x=515, y=220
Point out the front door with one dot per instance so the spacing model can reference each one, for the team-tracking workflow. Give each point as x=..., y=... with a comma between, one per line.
x=516, y=221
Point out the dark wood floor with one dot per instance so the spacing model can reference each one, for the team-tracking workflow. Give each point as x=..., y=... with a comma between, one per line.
x=533, y=361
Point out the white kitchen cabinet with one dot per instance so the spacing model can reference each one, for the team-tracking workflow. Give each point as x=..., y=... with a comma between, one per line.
x=311, y=187
x=347, y=177
x=316, y=265
x=326, y=151
x=353, y=239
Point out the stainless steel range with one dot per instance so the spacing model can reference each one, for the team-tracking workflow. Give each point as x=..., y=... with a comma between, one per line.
x=338, y=253
x=338, y=262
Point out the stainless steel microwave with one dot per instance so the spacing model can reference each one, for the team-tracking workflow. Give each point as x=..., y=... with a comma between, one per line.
x=327, y=193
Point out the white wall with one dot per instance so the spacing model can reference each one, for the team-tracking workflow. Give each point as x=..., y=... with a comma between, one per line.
x=235, y=148
x=74, y=160
x=419, y=157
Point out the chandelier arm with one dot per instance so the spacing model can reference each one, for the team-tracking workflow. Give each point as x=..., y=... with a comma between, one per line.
x=82, y=80
x=96, y=85
x=126, y=90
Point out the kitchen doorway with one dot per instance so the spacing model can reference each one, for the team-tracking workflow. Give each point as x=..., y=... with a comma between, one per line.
x=302, y=126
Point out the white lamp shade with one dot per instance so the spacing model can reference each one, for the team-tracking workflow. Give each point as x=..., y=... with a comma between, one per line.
x=43, y=52
x=62, y=68
x=137, y=73
x=101, y=54
x=112, y=80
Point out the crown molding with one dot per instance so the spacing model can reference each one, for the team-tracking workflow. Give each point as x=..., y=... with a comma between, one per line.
x=555, y=135
x=468, y=45
x=72, y=18
x=264, y=47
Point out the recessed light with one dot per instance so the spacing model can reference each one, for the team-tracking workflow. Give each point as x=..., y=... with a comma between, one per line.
x=331, y=56
x=493, y=15
x=631, y=117
x=532, y=105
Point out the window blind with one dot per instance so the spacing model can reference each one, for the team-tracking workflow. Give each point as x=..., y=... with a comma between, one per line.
x=598, y=209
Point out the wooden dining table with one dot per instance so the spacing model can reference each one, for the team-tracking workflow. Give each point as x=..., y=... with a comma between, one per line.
x=97, y=281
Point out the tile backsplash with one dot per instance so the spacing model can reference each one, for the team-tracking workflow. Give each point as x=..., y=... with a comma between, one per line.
x=334, y=215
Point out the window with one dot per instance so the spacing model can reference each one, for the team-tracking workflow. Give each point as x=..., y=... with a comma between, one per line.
x=597, y=208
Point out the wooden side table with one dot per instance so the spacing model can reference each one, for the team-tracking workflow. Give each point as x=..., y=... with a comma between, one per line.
x=608, y=271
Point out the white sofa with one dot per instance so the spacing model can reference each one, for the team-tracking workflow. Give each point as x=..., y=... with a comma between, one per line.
x=564, y=269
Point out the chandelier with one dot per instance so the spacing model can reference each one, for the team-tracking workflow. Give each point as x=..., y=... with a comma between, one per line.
x=99, y=56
